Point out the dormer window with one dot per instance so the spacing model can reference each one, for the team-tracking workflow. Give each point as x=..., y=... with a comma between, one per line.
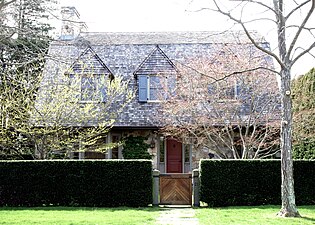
x=90, y=88
x=90, y=77
x=155, y=88
x=156, y=77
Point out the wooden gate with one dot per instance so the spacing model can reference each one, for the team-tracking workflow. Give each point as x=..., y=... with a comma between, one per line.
x=175, y=189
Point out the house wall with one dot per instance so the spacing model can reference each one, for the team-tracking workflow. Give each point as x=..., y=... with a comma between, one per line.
x=196, y=152
x=123, y=58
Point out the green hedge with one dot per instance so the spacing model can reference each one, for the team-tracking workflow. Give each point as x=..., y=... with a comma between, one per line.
x=76, y=183
x=136, y=148
x=304, y=149
x=16, y=157
x=253, y=182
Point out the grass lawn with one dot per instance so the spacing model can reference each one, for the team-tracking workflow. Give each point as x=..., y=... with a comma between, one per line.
x=78, y=215
x=73, y=215
x=253, y=215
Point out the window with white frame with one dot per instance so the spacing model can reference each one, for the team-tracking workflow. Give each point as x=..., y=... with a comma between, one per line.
x=155, y=88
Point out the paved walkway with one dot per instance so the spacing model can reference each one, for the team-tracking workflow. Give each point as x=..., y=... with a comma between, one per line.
x=178, y=216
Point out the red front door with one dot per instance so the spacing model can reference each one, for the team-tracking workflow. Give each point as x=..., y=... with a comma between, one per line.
x=174, y=156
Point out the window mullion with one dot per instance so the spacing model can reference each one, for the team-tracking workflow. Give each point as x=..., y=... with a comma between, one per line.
x=148, y=88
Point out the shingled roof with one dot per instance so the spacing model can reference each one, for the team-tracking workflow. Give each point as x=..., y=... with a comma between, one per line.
x=127, y=54
x=89, y=61
x=179, y=37
x=168, y=37
x=157, y=62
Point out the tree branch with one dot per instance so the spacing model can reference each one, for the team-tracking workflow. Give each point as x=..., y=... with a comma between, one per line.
x=4, y=4
x=259, y=3
x=219, y=10
x=295, y=9
x=303, y=53
x=300, y=30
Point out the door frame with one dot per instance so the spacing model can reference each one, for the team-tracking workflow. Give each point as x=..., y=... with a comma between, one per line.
x=182, y=154
x=162, y=165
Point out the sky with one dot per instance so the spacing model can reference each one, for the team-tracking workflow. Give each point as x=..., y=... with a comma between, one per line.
x=171, y=15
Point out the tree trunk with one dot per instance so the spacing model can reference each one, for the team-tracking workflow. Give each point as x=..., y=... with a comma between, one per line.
x=288, y=208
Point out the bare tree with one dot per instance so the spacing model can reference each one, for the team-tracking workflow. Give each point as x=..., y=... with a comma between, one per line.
x=290, y=20
x=234, y=115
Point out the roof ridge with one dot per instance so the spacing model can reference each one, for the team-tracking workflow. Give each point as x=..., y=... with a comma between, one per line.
x=167, y=37
x=164, y=32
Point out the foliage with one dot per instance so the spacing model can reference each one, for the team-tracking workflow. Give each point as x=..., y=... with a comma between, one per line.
x=136, y=148
x=42, y=116
x=76, y=183
x=62, y=122
x=16, y=157
x=224, y=182
x=304, y=149
x=24, y=42
x=303, y=101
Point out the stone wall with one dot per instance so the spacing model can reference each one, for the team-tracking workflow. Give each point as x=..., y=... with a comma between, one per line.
x=198, y=152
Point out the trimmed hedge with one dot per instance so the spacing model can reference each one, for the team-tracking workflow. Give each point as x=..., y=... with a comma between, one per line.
x=16, y=157
x=253, y=182
x=109, y=183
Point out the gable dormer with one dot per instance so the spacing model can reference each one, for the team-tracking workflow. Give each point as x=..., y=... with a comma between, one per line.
x=90, y=76
x=156, y=62
x=156, y=77
x=90, y=62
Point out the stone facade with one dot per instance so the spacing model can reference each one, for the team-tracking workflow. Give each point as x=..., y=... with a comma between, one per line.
x=131, y=55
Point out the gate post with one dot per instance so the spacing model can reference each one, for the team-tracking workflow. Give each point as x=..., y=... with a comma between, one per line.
x=156, y=187
x=196, y=186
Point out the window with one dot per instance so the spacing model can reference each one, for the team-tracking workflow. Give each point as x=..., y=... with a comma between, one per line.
x=244, y=90
x=162, y=150
x=90, y=87
x=187, y=148
x=155, y=88
x=89, y=149
x=225, y=90
x=212, y=89
x=115, y=151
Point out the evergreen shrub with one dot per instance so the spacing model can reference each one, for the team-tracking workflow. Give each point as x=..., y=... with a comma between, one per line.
x=253, y=182
x=304, y=149
x=92, y=183
x=136, y=148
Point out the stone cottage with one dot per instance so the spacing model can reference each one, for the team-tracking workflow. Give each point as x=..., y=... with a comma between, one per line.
x=143, y=59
